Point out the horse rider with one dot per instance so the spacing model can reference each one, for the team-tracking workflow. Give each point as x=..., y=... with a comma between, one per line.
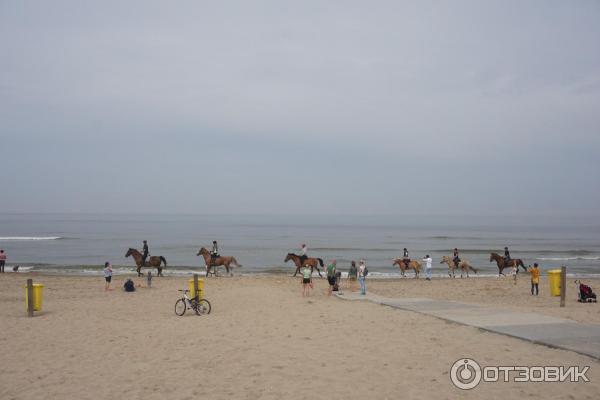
x=303, y=255
x=145, y=253
x=214, y=253
x=506, y=256
x=456, y=257
x=405, y=257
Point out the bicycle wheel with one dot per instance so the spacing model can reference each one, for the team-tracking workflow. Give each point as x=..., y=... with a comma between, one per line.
x=203, y=307
x=180, y=307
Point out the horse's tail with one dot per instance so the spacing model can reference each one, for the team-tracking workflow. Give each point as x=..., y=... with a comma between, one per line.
x=236, y=263
x=163, y=260
x=320, y=261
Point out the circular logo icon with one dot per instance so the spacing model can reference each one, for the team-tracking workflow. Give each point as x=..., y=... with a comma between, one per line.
x=465, y=373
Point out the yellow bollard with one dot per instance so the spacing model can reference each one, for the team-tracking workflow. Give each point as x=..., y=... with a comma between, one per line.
x=554, y=281
x=200, y=293
x=36, y=297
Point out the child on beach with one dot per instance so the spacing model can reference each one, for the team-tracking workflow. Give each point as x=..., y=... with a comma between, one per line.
x=513, y=273
x=306, y=280
x=361, y=277
x=352, y=275
x=535, y=278
x=107, y=275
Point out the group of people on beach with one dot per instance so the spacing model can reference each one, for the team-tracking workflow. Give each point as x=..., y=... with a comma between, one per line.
x=361, y=272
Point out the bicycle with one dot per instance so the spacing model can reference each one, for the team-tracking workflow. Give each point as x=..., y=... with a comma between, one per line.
x=200, y=306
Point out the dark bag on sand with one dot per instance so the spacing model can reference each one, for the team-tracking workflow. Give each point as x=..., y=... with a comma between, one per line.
x=129, y=286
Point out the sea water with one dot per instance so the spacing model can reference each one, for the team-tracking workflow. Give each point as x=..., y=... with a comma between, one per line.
x=81, y=243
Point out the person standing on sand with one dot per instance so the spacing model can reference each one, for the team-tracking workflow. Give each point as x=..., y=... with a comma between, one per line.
x=352, y=274
x=428, y=262
x=2, y=260
x=107, y=275
x=145, y=253
x=361, y=277
x=535, y=278
x=331, y=271
x=306, y=281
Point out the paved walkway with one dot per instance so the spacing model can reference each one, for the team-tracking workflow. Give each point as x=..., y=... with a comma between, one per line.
x=550, y=331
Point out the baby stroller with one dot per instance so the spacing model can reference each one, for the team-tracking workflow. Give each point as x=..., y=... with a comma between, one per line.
x=585, y=295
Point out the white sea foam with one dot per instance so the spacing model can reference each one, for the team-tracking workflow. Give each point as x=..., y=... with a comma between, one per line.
x=567, y=258
x=6, y=238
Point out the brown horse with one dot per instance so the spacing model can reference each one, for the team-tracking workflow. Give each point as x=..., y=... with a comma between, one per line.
x=464, y=266
x=412, y=264
x=217, y=262
x=313, y=263
x=152, y=262
x=511, y=263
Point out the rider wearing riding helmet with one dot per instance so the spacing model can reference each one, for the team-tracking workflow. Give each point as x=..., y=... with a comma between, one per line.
x=456, y=257
x=145, y=253
x=405, y=257
x=506, y=255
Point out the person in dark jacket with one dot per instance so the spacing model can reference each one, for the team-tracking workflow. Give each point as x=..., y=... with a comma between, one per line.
x=145, y=253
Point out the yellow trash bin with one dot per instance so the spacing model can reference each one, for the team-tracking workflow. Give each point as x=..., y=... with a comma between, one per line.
x=200, y=288
x=554, y=280
x=36, y=298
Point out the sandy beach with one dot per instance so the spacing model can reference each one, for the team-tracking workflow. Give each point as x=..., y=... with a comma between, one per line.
x=263, y=340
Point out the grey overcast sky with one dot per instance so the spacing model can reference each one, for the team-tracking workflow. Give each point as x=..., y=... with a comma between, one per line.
x=386, y=107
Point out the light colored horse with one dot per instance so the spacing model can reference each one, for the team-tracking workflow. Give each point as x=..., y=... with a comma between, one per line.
x=412, y=264
x=220, y=260
x=152, y=262
x=464, y=266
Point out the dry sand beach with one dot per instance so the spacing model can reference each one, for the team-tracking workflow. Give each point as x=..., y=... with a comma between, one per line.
x=263, y=340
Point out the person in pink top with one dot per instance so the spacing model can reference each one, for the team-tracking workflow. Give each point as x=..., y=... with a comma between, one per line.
x=2, y=260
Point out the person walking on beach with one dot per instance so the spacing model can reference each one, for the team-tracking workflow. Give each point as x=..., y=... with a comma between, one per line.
x=331, y=276
x=303, y=253
x=107, y=275
x=535, y=278
x=362, y=274
x=306, y=281
x=2, y=260
x=145, y=253
x=428, y=261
